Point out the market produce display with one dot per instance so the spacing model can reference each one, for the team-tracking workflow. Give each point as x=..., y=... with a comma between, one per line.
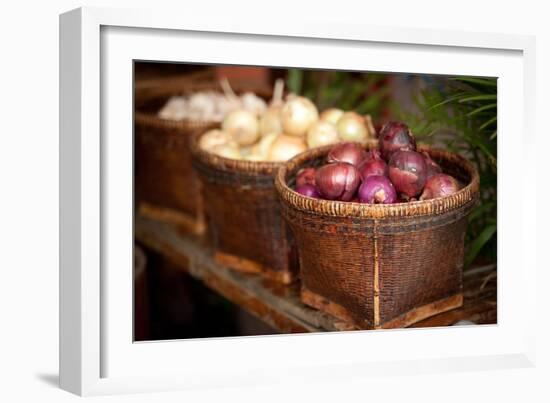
x=211, y=106
x=283, y=129
x=394, y=173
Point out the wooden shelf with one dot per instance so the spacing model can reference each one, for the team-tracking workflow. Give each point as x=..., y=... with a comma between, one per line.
x=280, y=306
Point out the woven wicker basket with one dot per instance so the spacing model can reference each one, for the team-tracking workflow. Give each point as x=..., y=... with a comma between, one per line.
x=248, y=232
x=380, y=266
x=166, y=185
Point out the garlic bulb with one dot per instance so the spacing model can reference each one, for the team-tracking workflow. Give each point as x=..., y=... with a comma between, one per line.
x=201, y=106
x=253, y=103
x=331, y=115
x=351, y=127
x=243, y=126
x=224, y=105
x=213, y=138
x=285, y=147
x=321, y=134
x=227, y=150
x=174, y=109
x=204, y=105
x=297, y=116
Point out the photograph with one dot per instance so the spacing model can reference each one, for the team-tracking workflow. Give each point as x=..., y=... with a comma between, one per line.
x=274, y=200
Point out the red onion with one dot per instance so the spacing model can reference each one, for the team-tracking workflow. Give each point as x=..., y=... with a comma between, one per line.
x=373, y=165
x=305, y=176
x=433, y=167
x=308, y=190
x=337, y=181
x=377, y=189
x=395, y=136
x=439, y=185
x=408, y=172
x=352, y=153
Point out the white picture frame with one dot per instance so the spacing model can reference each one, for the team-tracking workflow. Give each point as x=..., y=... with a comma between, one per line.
x=96, y=354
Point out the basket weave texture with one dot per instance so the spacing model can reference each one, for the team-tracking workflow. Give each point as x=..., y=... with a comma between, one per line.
x=164, y=175
x=380, y=265
x=244, y=218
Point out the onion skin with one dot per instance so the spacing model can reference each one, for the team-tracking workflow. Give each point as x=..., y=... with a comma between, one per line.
x=407, y=171
x=309, y=191
x=351, y=127
x=395, y=136
x=337, y=181
x=373, y=164
x=228, y=150
x=377, y=189
x=322, y=134
x=352, y=153
x=433, y=167
x=297, y=116
x=270, y=122
x=439, y=185
x=331, y=115
x=285, y=147
x=305, y=176
x=214, y=138
x=262, y=147
x=243, y=126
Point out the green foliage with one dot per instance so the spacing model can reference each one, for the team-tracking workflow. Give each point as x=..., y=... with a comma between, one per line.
x=361, y=92
x=461, y=114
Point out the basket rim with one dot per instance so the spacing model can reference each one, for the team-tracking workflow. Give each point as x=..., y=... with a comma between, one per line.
x=151, y=119
x=228, y=164
x=335, y=208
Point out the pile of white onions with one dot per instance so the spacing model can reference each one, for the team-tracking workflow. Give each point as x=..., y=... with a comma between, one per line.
x=284, y=129
x=211, y=106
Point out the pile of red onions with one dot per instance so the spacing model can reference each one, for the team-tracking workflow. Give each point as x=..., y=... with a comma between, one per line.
x=395, y=172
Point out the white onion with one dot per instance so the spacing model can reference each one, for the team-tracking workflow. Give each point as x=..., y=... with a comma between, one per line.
x=321, y=134
x=297, y=116
x=270, y=122
x=351, y=127
x=262, y=147
x=245, y=151
x=227, y=150
x=285, y=147
x=243, y=126
x=331, y=115
x=213, y=138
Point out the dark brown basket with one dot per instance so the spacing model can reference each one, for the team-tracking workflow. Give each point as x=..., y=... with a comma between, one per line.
x=380, y=266
x=141, y=297
x=244, y=216
x=166, y=185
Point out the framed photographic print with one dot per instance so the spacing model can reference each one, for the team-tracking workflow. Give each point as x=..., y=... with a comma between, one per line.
x=247, y=203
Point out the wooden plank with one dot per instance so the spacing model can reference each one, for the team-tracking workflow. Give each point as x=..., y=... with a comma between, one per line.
x=276, y=304
x=280, y=305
